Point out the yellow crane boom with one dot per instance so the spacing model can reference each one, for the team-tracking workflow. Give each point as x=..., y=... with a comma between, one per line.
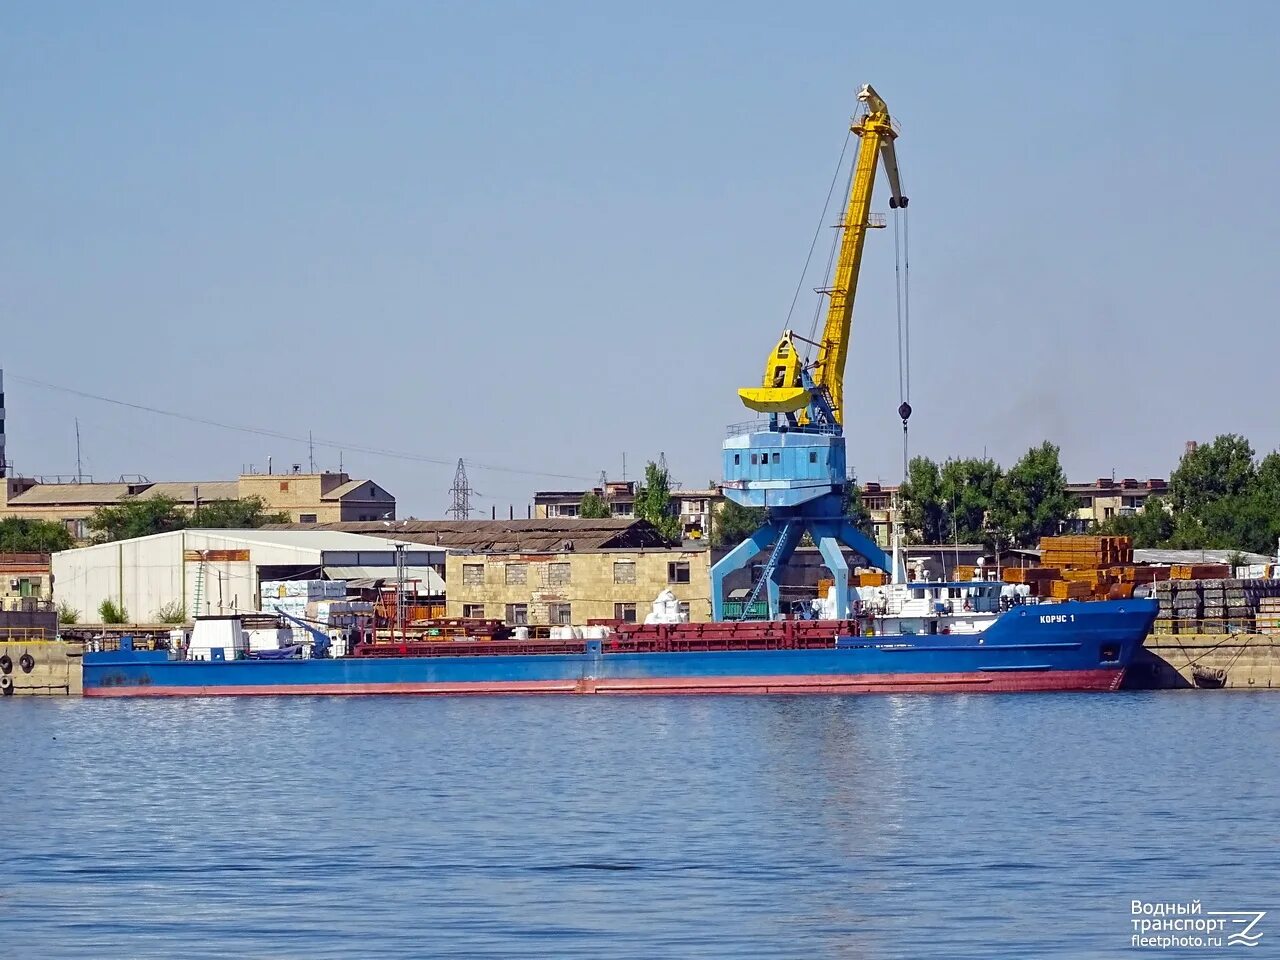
x=782, y=390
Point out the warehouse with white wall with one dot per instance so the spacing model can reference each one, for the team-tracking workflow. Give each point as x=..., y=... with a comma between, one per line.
x=219, y=571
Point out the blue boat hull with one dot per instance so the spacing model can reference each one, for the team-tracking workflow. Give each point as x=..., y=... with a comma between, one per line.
x=1073, y=646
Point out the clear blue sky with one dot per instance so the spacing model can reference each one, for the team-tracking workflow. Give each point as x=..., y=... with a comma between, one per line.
x=540, y=235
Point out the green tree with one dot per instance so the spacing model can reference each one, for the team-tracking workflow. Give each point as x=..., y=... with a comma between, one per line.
x=234, y=514
x=1222, y=499
x=856, y=510
x=67, y=614
x=948, y=502
x=653, y=503
x=1210, y=472
x=1152, y=526
x=733, y=523
x=968, y=489
x=143, y=516
x=924, y=515
x=594, y=507
x=23, y=535
x=1031, y=501
x=137, y=518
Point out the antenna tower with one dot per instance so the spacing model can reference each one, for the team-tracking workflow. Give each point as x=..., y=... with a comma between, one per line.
x=461, y=492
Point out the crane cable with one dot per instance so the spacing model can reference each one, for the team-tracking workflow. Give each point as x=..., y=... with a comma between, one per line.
x=902, y=296
x=818, y=231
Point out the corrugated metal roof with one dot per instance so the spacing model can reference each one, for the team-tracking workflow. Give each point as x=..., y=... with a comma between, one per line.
x=51, y=494
x=1161, y=557
x=320, y=541
x=185, y=492
x=510, y=536
x=429, y=583
x=351, y=486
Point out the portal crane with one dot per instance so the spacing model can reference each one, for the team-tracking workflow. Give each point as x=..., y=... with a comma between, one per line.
x=796, y=467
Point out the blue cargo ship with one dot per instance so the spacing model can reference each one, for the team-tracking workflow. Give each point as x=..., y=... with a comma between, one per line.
x=946, y=642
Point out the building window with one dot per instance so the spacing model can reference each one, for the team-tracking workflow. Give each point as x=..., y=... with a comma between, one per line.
x=623, y=509
x=626, y=612
x=777, y=458
x=678, y=571
x=473, y=574
x=517, y=573
x=560, y=614
x=307, y=518
x=813, y=456
x=754, y=459
x=473, y=611
x=558, y=575
x=1108, y=511
x=684, y=610
x=566, y=510
x=624, y=571
x=737, y=458
x=518, y=614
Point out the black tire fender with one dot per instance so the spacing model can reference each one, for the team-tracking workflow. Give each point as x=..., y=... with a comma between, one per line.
x=6, y=664
x=6, y=685
x=27, y=662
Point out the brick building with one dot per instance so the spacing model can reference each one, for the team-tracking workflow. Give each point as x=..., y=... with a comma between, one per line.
x=305, y=497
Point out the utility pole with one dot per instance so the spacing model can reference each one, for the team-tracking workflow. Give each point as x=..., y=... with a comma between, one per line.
x=79, y=471
x=400, y=589
x=311, y=452
x=461, y=492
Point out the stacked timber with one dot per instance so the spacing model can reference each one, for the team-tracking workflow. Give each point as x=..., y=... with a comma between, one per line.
x=1037, y=578
x=1069, y=590
x=1268, y=617
x=1199, y=571
x=1082, y=568
x=1086, y=552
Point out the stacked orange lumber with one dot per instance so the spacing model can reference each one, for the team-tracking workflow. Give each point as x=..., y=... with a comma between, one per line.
x=1085, y=576
x=1085, y=552
x=1139, y=574
x=1069, y=590
x=1199, y=571
x=1029, y=574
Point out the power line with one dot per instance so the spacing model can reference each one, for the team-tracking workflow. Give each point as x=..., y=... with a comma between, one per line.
x=341, y=445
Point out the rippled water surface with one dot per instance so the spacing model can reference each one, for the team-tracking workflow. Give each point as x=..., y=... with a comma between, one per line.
x=948, y=826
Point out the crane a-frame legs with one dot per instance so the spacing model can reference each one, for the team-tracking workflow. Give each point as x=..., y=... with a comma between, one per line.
x=783, y=532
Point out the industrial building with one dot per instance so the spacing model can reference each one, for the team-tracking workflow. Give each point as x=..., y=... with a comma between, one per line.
x=557, y=570
x=695, y=508
x=25, y=579
x=204, y=572
x=304, y=497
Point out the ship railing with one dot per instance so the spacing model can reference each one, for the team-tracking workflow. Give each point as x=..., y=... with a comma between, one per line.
x=762, y=426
